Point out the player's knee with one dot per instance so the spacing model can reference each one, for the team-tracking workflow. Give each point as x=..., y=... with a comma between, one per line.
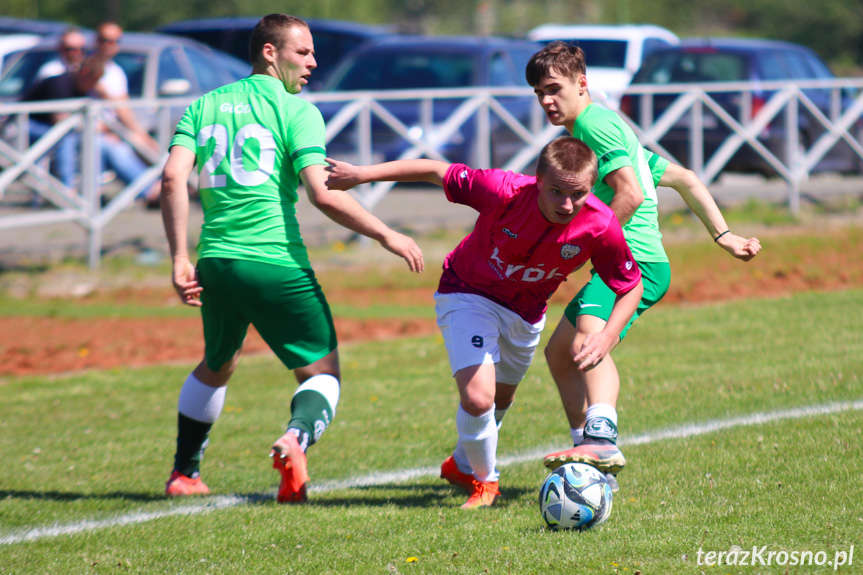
x=477, y=403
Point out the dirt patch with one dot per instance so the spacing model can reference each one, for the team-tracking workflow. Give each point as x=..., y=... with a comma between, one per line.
x=39, y=345
x=36, y=345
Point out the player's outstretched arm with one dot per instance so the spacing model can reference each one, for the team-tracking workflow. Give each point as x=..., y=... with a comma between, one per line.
x=175, y=217
x=597, y=345
x=344, y=176
x=343, y=209
x=698, y=198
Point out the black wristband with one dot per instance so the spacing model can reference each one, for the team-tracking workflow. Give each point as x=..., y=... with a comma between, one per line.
x=720, y=235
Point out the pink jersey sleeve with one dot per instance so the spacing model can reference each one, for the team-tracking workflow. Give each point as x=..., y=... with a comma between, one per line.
x=613, y=261
x=483, y=190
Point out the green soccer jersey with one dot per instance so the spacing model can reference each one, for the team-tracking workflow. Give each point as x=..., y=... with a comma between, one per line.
x=657, y=165
x=251, y=139
x=616, y=146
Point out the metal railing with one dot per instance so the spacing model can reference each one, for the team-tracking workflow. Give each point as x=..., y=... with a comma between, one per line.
x=484, y=113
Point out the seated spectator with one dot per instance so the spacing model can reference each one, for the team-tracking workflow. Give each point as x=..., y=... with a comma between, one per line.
x=108, y=81
x=70, y=55
x=61, y=87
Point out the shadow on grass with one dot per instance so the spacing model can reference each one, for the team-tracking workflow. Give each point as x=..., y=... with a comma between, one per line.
x=69, y=496
x=408, y=496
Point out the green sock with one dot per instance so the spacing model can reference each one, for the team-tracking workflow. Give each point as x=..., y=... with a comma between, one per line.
x=192, y=437
x=310, y=415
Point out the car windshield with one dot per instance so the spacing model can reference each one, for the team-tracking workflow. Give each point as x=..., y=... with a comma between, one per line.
x=602, y=53
x=133, y=64
x=685, y=67
x=395, y=71
x=18, y=78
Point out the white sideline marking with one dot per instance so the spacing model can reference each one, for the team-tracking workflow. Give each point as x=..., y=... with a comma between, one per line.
x=227, y=501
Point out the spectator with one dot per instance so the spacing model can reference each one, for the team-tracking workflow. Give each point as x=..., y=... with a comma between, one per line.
x=70, y=57
x=55, y=80
x=60, y=87
x=108, y=81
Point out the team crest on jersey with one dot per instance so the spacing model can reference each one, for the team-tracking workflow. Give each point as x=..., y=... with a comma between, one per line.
x=569, y=251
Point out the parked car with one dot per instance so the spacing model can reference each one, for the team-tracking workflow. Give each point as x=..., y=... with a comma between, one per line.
x=155, y=65
x=428, y=63
x=333, y=38
x=706, y=60
x=11, y=43
x=613, y=53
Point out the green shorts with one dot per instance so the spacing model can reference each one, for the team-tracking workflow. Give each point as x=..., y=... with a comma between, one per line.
x=597, y=299
x=286, y=306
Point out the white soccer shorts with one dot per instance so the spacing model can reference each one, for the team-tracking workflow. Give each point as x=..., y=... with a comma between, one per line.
x=476, y=330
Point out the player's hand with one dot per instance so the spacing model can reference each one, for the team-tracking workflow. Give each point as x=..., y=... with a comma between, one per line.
x=342, y=175
x=407, y=248
x=739, y=247
x=594, y=349
x=185, y=279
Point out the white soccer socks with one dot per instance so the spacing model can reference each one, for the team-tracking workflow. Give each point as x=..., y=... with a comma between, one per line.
x=201, y=402
x=478, y=439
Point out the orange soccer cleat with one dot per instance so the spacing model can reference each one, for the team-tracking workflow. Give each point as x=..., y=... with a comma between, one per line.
x=290, y=460
x=605, y=457
x=179, y=486
x=484, y=494
x=450, y=471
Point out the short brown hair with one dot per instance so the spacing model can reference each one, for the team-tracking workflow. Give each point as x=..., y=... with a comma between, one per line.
x=557, y=56
x=568, y=154
x=271, y=29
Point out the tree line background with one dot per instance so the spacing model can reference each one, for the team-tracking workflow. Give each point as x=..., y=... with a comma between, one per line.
x=833, y=28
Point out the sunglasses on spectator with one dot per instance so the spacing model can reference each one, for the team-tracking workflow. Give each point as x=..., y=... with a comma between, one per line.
x=104, y=40
x=72, y=48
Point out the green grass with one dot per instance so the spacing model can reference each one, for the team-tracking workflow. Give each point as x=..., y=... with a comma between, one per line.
x=98, y=445
x=749, y=213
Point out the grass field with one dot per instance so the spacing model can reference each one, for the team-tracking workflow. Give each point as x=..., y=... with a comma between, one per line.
x=742, y=423
x=85, y=457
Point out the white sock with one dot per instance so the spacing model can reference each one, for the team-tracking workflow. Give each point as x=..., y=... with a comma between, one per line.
x=577, y=435
x=461, y=458
x=201, y=402
x=499, y=415
x=602, y=410
x=478, y=437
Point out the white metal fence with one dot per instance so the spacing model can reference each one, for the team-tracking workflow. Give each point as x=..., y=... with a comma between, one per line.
x=481, y=121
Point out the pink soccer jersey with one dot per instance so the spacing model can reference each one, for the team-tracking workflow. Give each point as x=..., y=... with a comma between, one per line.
x=517, y=258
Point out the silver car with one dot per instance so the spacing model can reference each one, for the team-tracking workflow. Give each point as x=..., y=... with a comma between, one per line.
x=156, y=65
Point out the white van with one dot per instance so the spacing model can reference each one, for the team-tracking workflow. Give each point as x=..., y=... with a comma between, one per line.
x=614, y=52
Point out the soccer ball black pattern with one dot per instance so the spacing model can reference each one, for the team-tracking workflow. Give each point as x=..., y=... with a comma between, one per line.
x=575, y=496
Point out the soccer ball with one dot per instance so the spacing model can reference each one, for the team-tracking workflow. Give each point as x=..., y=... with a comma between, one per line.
x=575, y=496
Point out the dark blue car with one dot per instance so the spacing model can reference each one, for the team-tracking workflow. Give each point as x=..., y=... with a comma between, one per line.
x=750, y=61
x=433, y=63
x=333, y=39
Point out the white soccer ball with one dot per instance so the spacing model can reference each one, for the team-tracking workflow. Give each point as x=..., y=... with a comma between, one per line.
x=575, y=496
